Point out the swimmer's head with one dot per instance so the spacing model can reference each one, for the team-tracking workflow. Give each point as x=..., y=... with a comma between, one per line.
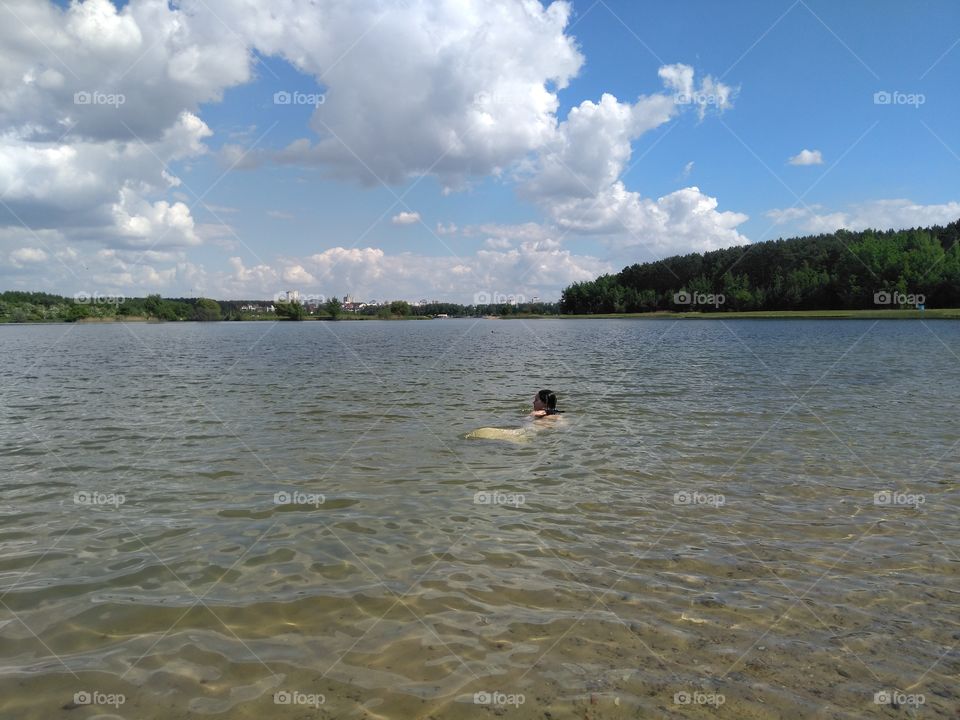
x=545, y=400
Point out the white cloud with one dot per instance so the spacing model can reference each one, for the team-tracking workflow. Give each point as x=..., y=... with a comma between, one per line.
x=592, y=146
x=576, y=179
x=687, y=169
x=99, y=189
x=807, y=157
x=280, y=215
x=539, y=268
x=97, y=103
x=405, y=218
x=877, y=214
x=140, y=223
x=457, y=88
x=28, y=255
x=162, y=61
x=710, y=94
x=298, y=274
x=534, y=268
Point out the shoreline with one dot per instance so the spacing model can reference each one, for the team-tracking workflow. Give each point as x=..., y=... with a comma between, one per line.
x=898, y=314
x=932, y=314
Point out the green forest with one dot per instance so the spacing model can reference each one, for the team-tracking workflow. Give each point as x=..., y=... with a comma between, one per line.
x=17, y=306
x=843, y=270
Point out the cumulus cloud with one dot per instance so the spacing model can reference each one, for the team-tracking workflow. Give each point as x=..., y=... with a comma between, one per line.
x=298, y=274
x=24, y=255
x=540, y=268
x=807, y=157
x=140, y=223
x=98, y=189
x=455, y=88
x=108, y=74
x=533, y=268
x=577, y=178
x=887, y=214
x=59, y=266
x=405, y=218
x=97, y=104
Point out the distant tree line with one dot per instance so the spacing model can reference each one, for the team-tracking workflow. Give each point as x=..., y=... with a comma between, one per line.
x=17, y=306
x=403, y=308
x=843, y=270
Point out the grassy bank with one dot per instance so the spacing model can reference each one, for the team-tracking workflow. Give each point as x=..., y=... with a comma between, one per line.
x=933, y=314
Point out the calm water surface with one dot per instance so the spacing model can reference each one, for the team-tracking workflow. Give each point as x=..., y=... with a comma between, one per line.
x=699, y=537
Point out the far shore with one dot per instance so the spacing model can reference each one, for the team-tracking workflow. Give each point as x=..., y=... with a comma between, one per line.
x=933, y=314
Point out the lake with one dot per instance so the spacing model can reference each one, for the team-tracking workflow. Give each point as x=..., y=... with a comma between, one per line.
x=734, y=518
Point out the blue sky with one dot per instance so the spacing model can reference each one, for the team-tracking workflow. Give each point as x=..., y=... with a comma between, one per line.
x=246, y=215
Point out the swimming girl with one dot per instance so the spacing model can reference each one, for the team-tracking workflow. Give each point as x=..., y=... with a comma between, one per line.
x=545, y=404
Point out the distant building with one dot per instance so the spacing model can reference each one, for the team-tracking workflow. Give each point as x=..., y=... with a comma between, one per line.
x=293, y=296
x=257, y=308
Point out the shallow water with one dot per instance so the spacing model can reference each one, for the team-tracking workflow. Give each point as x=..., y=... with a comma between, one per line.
x=700, y=537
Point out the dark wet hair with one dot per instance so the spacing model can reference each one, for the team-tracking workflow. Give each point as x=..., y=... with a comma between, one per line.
x=548, y=398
